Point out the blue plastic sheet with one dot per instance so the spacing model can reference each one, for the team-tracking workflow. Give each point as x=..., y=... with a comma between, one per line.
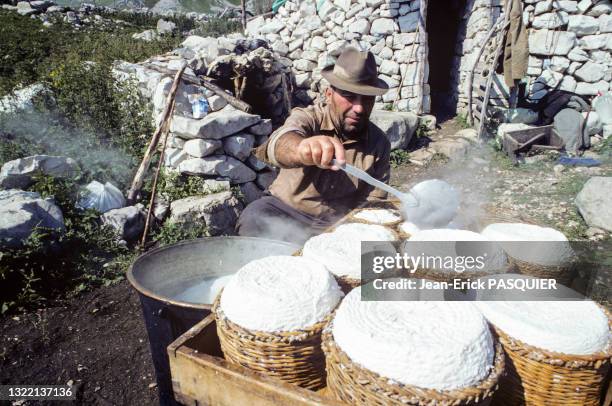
x=578, y=161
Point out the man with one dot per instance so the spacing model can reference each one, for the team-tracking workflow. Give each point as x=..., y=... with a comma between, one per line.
x=310, y=193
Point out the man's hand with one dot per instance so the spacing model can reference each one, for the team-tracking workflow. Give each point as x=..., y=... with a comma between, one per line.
x=320, y=150
x=292, y=150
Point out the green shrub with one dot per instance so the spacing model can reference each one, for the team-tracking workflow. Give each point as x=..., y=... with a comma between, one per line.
x=399, y=157
x=171, y=233
x=43, y=269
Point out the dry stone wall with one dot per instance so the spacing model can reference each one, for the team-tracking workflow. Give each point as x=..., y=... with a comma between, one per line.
x=311, y=36
x=570, y=45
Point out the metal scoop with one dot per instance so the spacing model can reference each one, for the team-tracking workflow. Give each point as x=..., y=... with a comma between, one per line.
x=429, y=204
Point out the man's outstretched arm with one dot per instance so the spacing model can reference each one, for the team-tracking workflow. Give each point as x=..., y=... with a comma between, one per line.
x=291, y=150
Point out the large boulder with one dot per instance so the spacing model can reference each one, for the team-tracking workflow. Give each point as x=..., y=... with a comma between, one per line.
x=236, y=171
x=399, y=127
x=21, y=213
x=217, y=125
x=128, y=221
x=595, y=202
x=219, y=212
x=18, y=173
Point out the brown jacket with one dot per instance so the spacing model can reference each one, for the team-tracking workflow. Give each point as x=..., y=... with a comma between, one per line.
x=321, y=192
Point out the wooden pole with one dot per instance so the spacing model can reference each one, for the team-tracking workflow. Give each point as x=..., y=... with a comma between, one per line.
x=470, y=79
x=422, y=27
x=500, y=45
x=146, y=160
x=239, y=104
x=156, y=178
x=244, y=18
x=415, y=43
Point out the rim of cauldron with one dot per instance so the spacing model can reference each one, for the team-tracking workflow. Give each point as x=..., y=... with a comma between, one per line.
x=146, y=292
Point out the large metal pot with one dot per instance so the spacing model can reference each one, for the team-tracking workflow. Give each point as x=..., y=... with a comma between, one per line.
x=163, y=273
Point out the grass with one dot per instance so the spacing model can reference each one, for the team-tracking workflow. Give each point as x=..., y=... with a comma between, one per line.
x=48, y=266
x=462, y=120
x=399, y=157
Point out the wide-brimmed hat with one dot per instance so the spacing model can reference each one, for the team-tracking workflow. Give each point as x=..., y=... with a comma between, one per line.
x=355, y=71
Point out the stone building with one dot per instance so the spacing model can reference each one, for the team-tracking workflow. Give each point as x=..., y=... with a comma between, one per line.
x=569, y=43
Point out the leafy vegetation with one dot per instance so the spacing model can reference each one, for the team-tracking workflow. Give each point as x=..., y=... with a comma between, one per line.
x=171, y=233
x=86, y=255
x=462, y=120
x=399, y=157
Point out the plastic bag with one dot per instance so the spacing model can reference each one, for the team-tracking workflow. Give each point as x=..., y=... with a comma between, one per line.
x=101, y=197
x=603, y=107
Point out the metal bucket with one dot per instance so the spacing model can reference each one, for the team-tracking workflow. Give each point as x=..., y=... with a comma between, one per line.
x=163, y=273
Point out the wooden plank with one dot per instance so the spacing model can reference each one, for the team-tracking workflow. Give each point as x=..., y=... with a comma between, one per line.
x=500, y=45
x=199, y=377
x=470, y=79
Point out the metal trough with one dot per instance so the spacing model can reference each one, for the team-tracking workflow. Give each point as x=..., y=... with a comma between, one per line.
x=163, y=273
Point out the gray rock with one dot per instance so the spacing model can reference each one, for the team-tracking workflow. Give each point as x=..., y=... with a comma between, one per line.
x=165, y=27
x=239, y=145
x=583, y=25
x=219, y=212
x=24, y=8
x=216, y=102
x=235, y=170
x=265, y=179
x=128, y=221
x=409, y=22
x=201, y=166
x=264, y=127
x=251, y=192
x=215, y=125
x=382, y=26
x=255, y=163
x=146, y=35
x=17, y=174
x=592, y=89
x=590, y=72
x=546, y=42
x=550, y=20
x=578, y=55
x=399, y=127
x=21, y=213
x=595, y=202
x=174, y=156
x=200, y=148
x=452, y=148
x=568, y=124
x=161, y=208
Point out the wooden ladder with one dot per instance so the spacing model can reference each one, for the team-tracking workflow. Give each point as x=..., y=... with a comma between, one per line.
x=478, y=114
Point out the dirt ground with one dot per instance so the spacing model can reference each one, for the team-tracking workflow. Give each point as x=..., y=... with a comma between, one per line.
x=98, y=340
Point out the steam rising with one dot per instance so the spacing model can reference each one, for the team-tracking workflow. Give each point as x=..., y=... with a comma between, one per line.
x=46, y=135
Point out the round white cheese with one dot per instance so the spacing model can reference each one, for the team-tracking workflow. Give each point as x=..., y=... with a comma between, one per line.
x=450, y=248
x=531, y=243
x=570, y=327
x=378, y=216
x=340, y=251
x=280, y=293
x=436, y=345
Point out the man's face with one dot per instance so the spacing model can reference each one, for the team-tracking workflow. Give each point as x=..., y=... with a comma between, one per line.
x=353, y=110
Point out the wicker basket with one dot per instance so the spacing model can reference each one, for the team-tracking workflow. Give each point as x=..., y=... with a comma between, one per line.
x=347, y=284
x=355, y=385
x=353, y=219
x=295, y=357
x=563, y=274
x=541, y=378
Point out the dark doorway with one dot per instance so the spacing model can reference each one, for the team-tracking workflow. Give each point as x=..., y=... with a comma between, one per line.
x=443, y=25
